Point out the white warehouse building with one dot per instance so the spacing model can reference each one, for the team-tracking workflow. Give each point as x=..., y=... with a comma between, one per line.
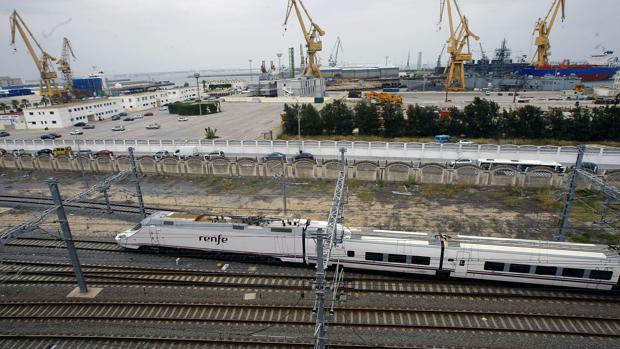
x=148, y=100
x=66, y=115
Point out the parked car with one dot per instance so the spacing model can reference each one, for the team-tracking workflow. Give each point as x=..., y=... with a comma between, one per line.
x=442, y=139
x=84, y=152
x=80, y=124
x=129, y=118
x=460, y=162
x=182, y=118
x=214, y=155
x=62, y=151
x=118, y=128
x=465, y=141
x=122, y=114
x=153, y=126
x=56, y=135
x=162, y=108
x=161, y=154
x=186, y=152
x=2, y=151
x=4, y=134
x=303, y=156
x=44, y=151
x=88, y=126
x=148, y=114
x=274, y=156
x=103, y=153
x=76, y=132
x=47, y=136
x=138, y=116
x=18, y=152
x=116, y=117
x=590, y=166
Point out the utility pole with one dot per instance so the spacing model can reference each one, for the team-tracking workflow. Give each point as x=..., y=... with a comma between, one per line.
x=66, y=232
x=571, y=194
x=77, y=142
x=104, y=191
x=284, y=193
x=197, y=76
x=319, y=290
x=136, y=180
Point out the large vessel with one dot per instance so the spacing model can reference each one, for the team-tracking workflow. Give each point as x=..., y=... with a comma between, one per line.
x=597, y=68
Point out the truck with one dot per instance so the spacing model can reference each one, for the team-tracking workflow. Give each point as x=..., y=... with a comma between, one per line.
x=186, y=152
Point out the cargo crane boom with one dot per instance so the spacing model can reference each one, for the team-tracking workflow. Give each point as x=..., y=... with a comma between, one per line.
x=65, y=67
x=333, y=57
x=47, y=86
x=543, y=30
x=312, y=37
x=458, y=46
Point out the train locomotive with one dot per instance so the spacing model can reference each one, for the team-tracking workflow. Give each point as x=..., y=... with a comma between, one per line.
x=546, y=263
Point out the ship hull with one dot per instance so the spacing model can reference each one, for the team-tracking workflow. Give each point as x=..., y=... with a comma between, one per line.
x=585, y=72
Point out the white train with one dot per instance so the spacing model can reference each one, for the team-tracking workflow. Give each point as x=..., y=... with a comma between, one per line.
x=513, y=260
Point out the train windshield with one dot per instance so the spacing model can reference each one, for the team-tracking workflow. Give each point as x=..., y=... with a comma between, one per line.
x=137, y=227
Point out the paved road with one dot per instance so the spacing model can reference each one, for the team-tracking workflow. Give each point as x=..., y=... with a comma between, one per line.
x=236, y=121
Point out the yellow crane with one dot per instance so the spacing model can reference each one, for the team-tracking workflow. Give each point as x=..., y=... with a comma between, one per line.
x=543, y=30
x=65, y=67
x=312, y=36
x=458, y=46
x=47, y=86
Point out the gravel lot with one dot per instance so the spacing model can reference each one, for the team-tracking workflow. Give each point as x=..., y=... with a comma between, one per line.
x=236, y=121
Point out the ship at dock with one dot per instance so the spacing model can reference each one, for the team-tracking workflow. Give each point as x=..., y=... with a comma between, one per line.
x=597, y=68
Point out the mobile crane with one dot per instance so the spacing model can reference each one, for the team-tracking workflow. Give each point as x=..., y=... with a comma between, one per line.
x=65, y=67
x=543, y=30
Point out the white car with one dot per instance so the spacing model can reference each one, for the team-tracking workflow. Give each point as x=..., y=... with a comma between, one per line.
x=182, y=118
x=162, y=108
x=214, y=155
x=465, y=141
x=138, y=116
x=153, y=126
x=76, y=132
x=461, y=162
x=118, y=128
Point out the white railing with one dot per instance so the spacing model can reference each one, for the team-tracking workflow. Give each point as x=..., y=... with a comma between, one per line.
x=605, y=157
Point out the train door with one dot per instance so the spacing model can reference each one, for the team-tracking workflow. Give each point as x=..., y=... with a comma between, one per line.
x=153, y=233
x=462, y=262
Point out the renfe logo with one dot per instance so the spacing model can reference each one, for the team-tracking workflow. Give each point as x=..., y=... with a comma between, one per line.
x=217, y=239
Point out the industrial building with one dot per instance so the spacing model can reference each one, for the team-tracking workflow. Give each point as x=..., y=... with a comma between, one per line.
x=65, y=115
x=153, y=99
x=6, y=81
x=360, y=73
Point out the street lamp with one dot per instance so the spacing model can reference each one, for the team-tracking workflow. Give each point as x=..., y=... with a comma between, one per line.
x=197, y=75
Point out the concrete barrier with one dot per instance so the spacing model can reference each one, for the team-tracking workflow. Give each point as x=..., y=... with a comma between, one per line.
x=366, y=171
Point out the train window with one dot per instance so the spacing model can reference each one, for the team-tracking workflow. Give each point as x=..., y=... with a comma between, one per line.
x=519, y=268
x=543, y=270
x=372, y=256
x=397, y=258
x=572, y=272
x=420, y=260
x=600, y=274
x=238, y=227
x=168, y=223
x=350, y=253
x=281, y=230
x=494, y=266
x=137, y=227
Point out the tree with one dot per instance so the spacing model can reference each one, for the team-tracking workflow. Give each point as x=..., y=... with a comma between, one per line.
x=480, y=118
x=4, y=107
x=289, y=118
x=337, y=118
x=311, y=122
x=366, y=118
x=393, y=121
x=557, y=125
x=15, y=104
x=579, y=127
x=24, y=103
x=45, y=100
x=421, y=121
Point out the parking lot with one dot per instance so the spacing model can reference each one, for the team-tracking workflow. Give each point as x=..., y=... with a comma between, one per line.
x=236, y=121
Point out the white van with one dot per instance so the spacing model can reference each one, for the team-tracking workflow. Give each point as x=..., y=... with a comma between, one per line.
x=186, y=152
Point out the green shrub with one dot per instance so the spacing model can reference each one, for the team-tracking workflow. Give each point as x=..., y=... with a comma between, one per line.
x=191, y=108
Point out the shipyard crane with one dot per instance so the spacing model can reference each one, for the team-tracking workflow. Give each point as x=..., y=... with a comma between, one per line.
x=543, y=30
x=333, y=57
x=312, y=37
x=47, y=86
x=65, y=67
x=458, y=46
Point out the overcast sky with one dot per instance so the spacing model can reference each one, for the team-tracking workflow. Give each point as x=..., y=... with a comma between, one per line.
x=135, y=36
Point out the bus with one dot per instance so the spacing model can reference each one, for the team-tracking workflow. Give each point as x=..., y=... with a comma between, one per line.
x=520, y=165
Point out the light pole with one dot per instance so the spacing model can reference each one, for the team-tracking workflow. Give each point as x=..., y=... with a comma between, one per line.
x=197, y=75
x=77, y=142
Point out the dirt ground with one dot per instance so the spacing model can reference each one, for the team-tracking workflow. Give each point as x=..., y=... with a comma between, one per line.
x=452, y=209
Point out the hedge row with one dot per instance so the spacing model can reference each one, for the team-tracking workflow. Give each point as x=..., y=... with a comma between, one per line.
x=185, y=108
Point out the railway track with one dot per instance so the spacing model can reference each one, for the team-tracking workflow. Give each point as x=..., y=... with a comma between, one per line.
x=42, y=273
x=390, y=318
x=83, y=204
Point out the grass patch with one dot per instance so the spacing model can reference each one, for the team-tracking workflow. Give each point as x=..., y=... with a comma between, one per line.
x=228, y=184
x=547, y=200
